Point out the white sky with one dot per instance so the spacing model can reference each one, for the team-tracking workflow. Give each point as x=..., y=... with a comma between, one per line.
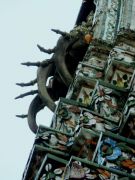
x=23, y=25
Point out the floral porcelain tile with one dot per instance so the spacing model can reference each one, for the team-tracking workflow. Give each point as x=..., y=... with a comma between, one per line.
x=52, y=168
x=53, y=139
x=108, y=102
x=116, y=152
x=85, y=70
x=81, y=169
x=119, y=74
x=130, y=104
x=81, y=90
x=85, y=143
x=97, y=62
x=123, y=54
x=97, y=55
x=128, y=127
x=35, y=160
x=66, y=117
x=91, y=120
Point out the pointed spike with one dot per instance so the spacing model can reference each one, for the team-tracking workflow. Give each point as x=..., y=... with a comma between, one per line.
x=46, y=62
x=31, y=83
x=22, y=116
x=42, y=49
x=31, y=64
x=65, y=34
x=27, y=94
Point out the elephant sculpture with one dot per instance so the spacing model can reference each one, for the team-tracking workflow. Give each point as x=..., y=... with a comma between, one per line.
x=55, y=75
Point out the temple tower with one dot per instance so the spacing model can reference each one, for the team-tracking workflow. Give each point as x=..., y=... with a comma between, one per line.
x=92, y=133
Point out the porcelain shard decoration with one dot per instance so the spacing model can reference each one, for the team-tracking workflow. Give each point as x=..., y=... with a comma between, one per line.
x=117, y=153
x=36, y=158
x=81, y=169
x=52, y=168
x=128, y=127
x=81, y=90
x=91, y=120
x=67, y=116
x=120, y=74
x=124, y=54
x=85, y=70
x=53, y=139
x=108, y=102
x=93, y=128
x=85, y=142
x=97, y=54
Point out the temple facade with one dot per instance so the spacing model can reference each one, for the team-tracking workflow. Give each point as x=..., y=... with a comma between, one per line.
x=92, y=76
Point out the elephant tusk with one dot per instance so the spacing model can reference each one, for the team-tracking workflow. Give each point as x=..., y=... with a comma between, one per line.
x=35, y=106
x=60, y=61
x=42, y=76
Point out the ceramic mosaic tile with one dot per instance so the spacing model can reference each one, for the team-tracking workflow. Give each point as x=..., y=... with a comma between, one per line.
x=81, y=90
x=91, y=120
x=123, y=53
x=51, y=138
x=120, y=74
x=116, y=152
x=128, y=127
x=85, y=70
x=97, y=55
x=130, y=104
x=96, y=62
x=66, y=117
x=35, y=160
x=108, y=101
x=125, y=38
x=85, y=143
x=52, y=168
x=78, y=168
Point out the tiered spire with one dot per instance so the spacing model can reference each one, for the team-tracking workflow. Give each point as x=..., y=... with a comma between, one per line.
x=92, y=132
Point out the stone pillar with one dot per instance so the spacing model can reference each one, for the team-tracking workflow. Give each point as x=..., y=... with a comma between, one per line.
x=113, y=15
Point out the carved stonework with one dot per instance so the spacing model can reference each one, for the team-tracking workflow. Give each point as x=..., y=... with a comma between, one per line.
x=127, y=14
x=107, y=14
